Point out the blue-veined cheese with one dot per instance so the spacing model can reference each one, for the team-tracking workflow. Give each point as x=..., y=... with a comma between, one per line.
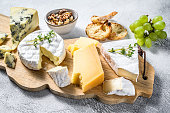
x=22, y=22
x=10, y=60
x=3, y=36
x=31, y=56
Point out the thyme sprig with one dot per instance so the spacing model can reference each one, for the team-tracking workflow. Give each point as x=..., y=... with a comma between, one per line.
x=41, y=38
x=124, y=51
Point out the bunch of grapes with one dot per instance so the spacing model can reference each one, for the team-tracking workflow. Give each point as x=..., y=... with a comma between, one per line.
x=147, y=31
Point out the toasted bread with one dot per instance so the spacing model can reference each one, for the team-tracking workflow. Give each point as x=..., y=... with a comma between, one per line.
x=98, y=31
x=118, y=32
x=103, y=19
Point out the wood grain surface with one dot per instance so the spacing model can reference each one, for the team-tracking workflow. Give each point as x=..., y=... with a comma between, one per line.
x=38, y=80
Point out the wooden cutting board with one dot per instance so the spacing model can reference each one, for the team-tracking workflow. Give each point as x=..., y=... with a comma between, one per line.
x=38, y=80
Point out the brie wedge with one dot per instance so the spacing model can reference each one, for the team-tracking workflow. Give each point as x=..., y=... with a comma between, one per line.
x=60, y=75
x=31, y=56
x=124, y=66
x=119, y=86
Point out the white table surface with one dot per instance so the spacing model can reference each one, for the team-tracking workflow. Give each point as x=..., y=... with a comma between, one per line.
x=15, y=100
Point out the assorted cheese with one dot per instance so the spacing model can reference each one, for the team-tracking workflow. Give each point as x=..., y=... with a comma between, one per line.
x=60, y=75
x=80, y=43
x=124, y=66
x=22, y=22
x=87, y=68
x=119, y=86
x=31, y=56
x=3, y=37
x=10, y=60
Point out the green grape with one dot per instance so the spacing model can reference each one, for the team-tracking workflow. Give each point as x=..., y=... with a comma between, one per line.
x=160, y=25
x=139, y=30
x=153, y=36
x=132, y=27
x=147, y=26
x=143, y=19
x=148, y=42
x=138, y=36
x=140, y=41
x=161, y=34
x=156, y=19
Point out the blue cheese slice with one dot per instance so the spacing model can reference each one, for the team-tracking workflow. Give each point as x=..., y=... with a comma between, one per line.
x=124, y=66
x=22, y=22
x=60, y=76
x=119, y=86
x=3, y=37
x=10, y=60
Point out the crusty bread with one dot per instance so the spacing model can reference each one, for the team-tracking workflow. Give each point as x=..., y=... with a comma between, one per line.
x=103, y=19
x=118, y=31
x=98, y=31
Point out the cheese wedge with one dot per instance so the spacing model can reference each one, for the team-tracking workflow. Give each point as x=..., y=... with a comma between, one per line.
x=22, y=22
x=119, y=86
x=3, y=37
x=80, y=43
x=123, y=66
x=60, y=76
x=87, y=68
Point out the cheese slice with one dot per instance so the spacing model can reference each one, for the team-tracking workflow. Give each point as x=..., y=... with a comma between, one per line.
x=80, y=43
x=4, y=49
x=22, y=22
x=10, y=60
x=87, y=68
x=119, y=86
x=3, y=37
x=124, y=66
x=31, y=56
x=60, y=75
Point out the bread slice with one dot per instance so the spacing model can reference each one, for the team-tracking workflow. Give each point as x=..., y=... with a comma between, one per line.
x=98, y=31
x=118, y=32
x=103, y=19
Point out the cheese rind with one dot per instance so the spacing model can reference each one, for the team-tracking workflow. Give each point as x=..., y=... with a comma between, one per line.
x=87, y=68
x=80, y=43
x=60, y=76
x=124, y=66
x=31, y=56
x=119, y=86
x=10, y=60
x=22, y=22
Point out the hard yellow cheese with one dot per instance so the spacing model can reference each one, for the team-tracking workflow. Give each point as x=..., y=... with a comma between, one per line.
x=87, y=68
x=80, y=43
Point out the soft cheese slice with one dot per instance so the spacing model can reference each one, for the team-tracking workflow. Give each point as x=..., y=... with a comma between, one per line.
x=60, y=75
x=31, y=55
x=80, y=43
x=22, y=22
x=124, y=66
x=87, y=68
x=119, y=86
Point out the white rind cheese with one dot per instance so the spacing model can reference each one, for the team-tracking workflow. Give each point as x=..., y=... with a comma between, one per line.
x=121, y=62
x=60, y=75
x=31, y=56
x=22, y=22
x=119, y=86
